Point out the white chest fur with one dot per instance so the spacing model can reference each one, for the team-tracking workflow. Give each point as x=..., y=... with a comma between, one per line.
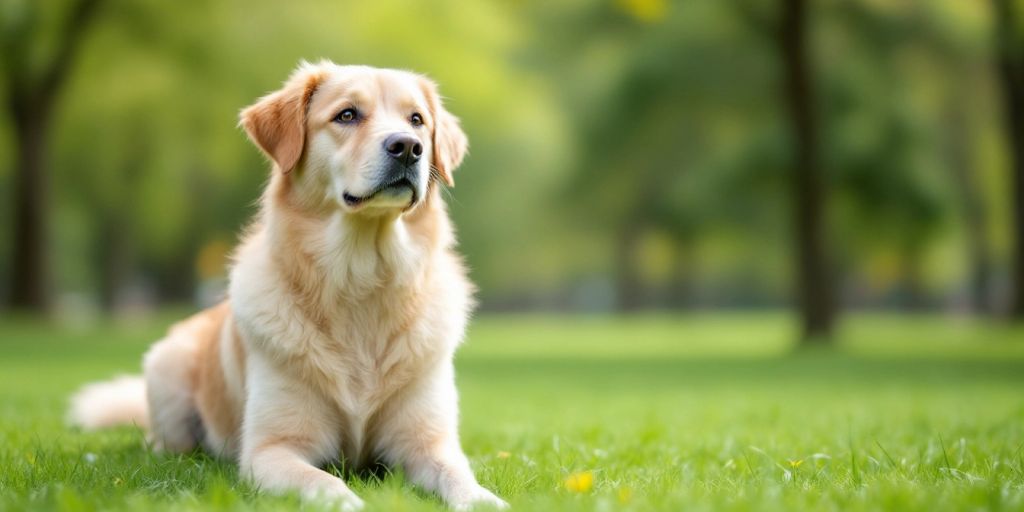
x=352, y=355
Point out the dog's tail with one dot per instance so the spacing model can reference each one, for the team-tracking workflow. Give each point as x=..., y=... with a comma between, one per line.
x=119, y=401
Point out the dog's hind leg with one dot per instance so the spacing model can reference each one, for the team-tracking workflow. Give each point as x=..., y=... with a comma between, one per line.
x=169, y=370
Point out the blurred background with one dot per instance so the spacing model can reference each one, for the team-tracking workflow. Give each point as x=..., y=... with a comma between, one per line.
x=809, y=156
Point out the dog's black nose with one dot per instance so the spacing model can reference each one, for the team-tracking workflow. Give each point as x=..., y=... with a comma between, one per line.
x=403, y=147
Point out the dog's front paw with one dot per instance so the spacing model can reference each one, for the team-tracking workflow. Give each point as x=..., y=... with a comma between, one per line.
x=342, y=500
x=479, y=498
x=350, y=504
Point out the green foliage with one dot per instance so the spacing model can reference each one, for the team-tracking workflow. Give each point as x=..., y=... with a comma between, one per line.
x=586, y=120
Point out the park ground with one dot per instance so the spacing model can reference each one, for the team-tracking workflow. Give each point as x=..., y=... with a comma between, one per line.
x=654, y=412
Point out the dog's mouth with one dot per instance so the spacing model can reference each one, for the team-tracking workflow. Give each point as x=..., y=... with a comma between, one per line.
x=392, y=189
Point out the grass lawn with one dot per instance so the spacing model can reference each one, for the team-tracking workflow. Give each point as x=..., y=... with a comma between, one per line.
x=696, y=412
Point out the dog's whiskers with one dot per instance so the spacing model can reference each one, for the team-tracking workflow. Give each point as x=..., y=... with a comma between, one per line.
x=435, y=173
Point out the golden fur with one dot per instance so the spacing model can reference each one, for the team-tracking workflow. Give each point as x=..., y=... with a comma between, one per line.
x=343, y=315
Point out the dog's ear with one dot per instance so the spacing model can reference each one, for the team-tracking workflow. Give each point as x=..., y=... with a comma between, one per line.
x=448, y=141
x=277, y=122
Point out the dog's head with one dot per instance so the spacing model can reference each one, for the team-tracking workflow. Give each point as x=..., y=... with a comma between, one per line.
x=362, y=139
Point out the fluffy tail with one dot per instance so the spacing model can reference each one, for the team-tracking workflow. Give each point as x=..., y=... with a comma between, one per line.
x=120, y=401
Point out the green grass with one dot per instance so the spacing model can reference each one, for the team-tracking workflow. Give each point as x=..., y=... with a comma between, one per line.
x=697, y=412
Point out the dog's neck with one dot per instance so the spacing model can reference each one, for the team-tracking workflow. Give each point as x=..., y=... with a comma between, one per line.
x=354, y=255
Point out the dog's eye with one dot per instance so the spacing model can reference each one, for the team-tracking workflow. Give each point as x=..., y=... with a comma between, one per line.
x=346, y=116
x=416, y=120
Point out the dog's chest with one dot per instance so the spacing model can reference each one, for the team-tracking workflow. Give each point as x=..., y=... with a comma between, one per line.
x=368, y=369
x=372, y=369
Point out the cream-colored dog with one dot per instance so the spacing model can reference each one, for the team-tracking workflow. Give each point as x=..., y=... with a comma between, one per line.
x=345, y=307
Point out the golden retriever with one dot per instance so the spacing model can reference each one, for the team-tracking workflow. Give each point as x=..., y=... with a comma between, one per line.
x=345, y=306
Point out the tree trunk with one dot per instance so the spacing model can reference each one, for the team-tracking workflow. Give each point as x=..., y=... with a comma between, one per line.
x=30, y=280
x=629, y=288
x=681, y=286
x=913, y=293
x=115, y=257
x=979, y=255
x=1010, y=47
x=813, y=277
x=31, y=98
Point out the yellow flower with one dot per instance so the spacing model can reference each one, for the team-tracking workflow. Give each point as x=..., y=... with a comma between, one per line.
x=625, y=494
x=580, y=482
x=504, y=455
x=795, y=463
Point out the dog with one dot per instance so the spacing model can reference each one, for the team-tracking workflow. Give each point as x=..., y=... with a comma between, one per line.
x=346, y=303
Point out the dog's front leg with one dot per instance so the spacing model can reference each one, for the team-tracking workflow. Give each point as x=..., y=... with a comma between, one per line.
x=421, y=435
x=444, y=469
x=283, y=468
x=287, y=431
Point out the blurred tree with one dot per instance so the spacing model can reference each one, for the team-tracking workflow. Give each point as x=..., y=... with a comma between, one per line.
x=957, y=127
x=814, y=276
x=958, y=138
x=1010, y=58
x=880, y=145
x=659, y=99
x=34, y=81
x=974, y=207
x=658, y=122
